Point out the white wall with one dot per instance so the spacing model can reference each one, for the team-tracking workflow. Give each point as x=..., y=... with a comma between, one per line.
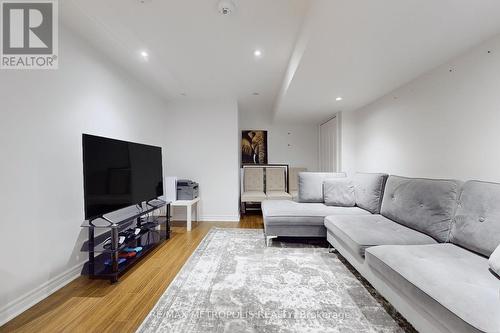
x=204, y=146
x=293, y=144
x=443, y=124
x=43, y=115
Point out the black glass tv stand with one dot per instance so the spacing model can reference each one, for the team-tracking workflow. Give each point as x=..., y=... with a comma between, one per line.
x=107, y=244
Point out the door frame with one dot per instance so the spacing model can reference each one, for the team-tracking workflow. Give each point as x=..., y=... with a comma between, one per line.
x=338, y=141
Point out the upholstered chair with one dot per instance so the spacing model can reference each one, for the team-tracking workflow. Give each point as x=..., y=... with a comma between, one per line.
x=276, y=184
x=293, y=175
x=253, y=185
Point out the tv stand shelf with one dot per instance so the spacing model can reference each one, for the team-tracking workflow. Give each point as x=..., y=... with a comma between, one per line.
x=104, y=249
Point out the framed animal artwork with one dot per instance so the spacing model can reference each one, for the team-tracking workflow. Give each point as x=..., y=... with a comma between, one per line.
x=254, y=147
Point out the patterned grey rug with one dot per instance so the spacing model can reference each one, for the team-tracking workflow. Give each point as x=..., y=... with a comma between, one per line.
x=234, y=283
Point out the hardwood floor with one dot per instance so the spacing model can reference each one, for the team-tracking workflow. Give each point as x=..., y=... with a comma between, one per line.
x=97, y=306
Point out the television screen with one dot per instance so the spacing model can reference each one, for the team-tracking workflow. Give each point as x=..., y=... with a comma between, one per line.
x=118, y=174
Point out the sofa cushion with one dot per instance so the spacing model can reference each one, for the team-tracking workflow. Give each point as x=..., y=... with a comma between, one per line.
x=339, y=192
x=425, y=205
x=477, y=220
x=253, y=196
x=253, y=179
x=278, y=195
x=358, y=233
x=293, y=178
x=369, y=190
x=287, y=212
x=494, y=261
x=311, y=185
x=449, y=282
x=275, y=179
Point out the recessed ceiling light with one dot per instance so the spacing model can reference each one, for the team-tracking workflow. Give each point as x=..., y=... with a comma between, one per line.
x=257, y=53
x=338, y=99
x=144, y=55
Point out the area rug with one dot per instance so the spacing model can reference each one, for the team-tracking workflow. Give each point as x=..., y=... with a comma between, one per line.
x=234, y=283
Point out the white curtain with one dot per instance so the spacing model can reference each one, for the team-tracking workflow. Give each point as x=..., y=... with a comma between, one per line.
x=328, y=146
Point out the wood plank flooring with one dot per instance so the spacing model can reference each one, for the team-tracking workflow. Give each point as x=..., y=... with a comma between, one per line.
x=97, y=306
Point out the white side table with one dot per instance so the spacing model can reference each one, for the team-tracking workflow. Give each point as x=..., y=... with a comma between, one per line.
x=189, y=208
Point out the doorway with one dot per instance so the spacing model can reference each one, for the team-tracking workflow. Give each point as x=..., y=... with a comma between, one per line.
x=328, y=146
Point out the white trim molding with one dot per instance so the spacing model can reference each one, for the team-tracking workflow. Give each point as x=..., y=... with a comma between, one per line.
x=26, y=301
x=338, y=142
x=212, y=218
x=220, y=218
x=336, y=133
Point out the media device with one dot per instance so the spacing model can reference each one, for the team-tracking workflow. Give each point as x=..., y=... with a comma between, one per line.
x=133, y=249
x=118, y=174
x=109, y=262
x=187, y=189
x=127, y=255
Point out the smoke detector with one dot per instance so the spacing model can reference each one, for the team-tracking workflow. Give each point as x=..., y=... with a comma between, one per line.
x=226, y=7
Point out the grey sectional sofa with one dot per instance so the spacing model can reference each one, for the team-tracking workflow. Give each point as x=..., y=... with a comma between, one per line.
x=426, y=251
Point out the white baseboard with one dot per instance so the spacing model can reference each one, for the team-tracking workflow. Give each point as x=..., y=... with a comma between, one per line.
x=213, y=218
x=23, y=303
x=220, y=218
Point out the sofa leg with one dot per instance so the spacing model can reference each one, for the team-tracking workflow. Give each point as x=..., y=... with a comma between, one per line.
x=331, y=249
x=268, y=239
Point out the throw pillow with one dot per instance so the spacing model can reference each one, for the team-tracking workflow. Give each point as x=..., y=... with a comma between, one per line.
x=369, y=190
x=311, y=185
x=339, y=192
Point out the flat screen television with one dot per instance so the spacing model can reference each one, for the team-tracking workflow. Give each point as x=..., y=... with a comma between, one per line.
x=118, y=174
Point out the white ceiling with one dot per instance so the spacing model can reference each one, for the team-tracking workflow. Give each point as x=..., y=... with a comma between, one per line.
x=193, y=49
x=313, y=50
x=362, y=50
